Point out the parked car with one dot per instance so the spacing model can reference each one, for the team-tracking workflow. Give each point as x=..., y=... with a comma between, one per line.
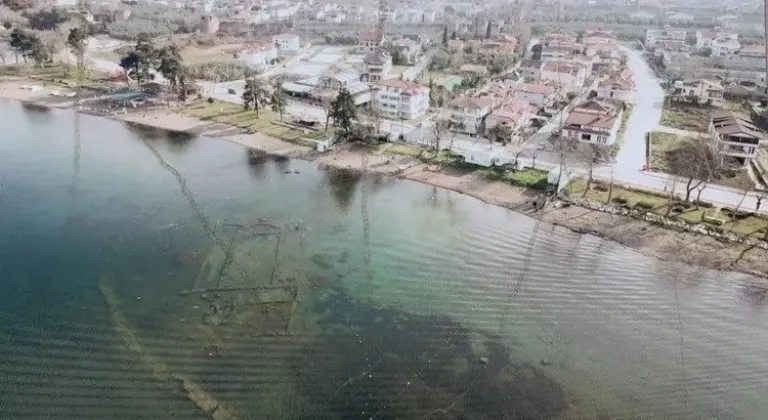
x=231, y=91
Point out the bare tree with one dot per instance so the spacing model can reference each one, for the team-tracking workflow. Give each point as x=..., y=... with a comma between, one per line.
x=610, y=184
x=535, y=154
x=700, y=189
x=375, y=116
x=517, y=152
x=591, y=154
x=745, y=185
x=455, y=127
x=438, y=129
x=326, y=104
x=698, y=161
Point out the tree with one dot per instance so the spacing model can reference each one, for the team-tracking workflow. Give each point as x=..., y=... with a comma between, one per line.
x=502, y=133
x=22, y=42
x=536, y=52
x=438, y=129
x=7, y=25
x=535, y=154
x=254, y=95
x=40, y=52
x=170, y=65
x=139, y=63
x=698, y=161
x=343, y=112
x=445, y=35
x=47, y=20
x=278, y=100
x=745, y=185
x=488, y=30
x=326, y=104
x=456, y=127
x=592, y=154
x=76, y=40
x=453, y=35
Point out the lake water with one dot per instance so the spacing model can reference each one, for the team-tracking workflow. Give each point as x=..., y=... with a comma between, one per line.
x=151, y=275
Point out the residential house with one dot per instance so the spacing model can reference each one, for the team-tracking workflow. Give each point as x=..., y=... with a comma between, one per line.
x=753, y=54
x=654, y=36
x=258, y=55
x=735, y=136
x=705, y=37
x=516, y=114
x=559, y=37
x=560, y=51
x=499, y=92
x=568, y=73
x=598, y=39
x=473, y=69
x=471, y=113
x=368, y=42
x=593, y=122
x=408, y=50
x=455, y=45
x=539, y=94
x=738, y=92
x=503, y=45
x=287, y=42
x=725, y=47
x=400, y=99
x=699, y=91
x=378, y=65
x=618, y=87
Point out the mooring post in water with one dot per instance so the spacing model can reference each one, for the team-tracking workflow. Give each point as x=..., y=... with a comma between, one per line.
x=203, y=400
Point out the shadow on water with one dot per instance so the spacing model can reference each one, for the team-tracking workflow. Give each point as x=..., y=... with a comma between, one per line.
x=257, y=162
x=343, y=183
x=282, y=163
x=388, y=364
x=177, y=141
x=32, y=107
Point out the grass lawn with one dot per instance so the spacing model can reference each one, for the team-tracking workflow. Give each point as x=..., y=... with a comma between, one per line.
x=616, y=146
x=749, y=225
x=527, y=177
x=737, y=106
x=685, y=117
x=267, y=123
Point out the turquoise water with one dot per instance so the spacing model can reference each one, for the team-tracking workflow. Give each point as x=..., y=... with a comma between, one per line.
x=142, y=262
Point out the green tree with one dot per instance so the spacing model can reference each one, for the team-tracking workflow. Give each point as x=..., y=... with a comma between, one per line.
x=140, y=62
x=47, y=20
x=536, y=52
x=254, y=95
x=21, y=42
x=76, y=41
x=488, y=30
x=445, y=35
x=278, y=100
x=343, y=112
x=7, y=25
x=40, y=52
x=170, y=65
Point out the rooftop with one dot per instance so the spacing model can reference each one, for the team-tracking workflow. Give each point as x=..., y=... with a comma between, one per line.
x=732, y=124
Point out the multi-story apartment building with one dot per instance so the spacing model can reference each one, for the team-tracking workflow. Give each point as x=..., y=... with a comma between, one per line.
x=469, y=114
x=593, y=122
x=400, y=99
x=735, y=136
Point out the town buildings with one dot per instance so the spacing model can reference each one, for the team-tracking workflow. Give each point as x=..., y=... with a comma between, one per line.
x=536, y=93
x=735, y=136
x=618, y=87
x=287, y=42
x=368, y=42
x=515, y=114
x=258, y=55
x=593, y=122
x=571, y=75
x=655, y=36
x=400, y=99
x=469, y=113
x=378, y=65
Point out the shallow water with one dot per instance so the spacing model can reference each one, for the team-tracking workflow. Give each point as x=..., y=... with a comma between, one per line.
x=155, y=261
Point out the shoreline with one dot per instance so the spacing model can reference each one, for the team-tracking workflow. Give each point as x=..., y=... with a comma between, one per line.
x=641, y=236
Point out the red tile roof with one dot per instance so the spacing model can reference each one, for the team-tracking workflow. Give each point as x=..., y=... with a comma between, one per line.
x=537, y=88
x=400, y=84
x=367, y=36
x=468, y=102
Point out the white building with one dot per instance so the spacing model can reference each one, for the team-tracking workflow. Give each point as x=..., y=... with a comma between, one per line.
x=470, y=113
x=515, y=114
x=656, y=36
x=287, y=42
x=735, y=136
x=378, y=65
x=400, y=99
x=571, y=75
x=593, y=122
x=724, y=47
x=258, y=56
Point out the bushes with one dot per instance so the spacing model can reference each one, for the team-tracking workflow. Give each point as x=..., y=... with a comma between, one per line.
x=643, y=205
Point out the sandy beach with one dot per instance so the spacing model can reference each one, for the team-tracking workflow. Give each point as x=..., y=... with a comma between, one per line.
x=645, y=238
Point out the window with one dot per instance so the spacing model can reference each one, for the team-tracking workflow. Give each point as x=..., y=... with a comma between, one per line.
x=586, y=137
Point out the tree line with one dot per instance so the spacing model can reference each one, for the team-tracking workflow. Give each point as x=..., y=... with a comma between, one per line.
x=144, y=60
